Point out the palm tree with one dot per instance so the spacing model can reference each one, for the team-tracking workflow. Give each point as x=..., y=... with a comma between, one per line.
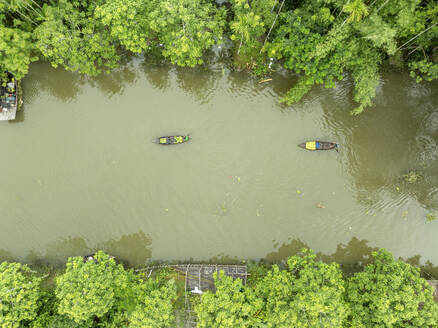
x=357, y=10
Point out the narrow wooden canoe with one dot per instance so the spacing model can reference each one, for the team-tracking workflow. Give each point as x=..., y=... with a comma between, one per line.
x=171, y=140
x=318, y=145
x=8, y=97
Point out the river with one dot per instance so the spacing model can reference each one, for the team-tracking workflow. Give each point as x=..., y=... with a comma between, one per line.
x=79, y=170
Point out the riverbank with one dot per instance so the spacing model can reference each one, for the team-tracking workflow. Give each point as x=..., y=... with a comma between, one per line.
x=91, y=292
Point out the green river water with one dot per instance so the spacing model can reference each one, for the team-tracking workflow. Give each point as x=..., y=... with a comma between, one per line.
x=79, y=171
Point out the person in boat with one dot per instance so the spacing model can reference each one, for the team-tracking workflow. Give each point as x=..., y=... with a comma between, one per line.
x=319, y=145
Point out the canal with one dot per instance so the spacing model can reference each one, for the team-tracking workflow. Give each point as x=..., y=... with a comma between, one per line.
x=79, y=170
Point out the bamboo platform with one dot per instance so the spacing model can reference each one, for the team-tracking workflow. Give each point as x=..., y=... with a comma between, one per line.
x=198, y=278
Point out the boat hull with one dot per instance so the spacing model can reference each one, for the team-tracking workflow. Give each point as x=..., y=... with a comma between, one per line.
x=171, y=140
x=318, y=145
x=8, y=98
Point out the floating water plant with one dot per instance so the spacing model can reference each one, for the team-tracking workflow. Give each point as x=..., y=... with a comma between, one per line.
x=412, y=177
x=431, y=217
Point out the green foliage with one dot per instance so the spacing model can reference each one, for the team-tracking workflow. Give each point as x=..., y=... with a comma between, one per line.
x=365, y=73
x=70, y=36
x=186, y=29
x=155, y=304
x=91, y=289
x=379, y=33
x=388, y=294
x=15, y=51
x=232, y=305
x=322, y=41
x=423, y=70
x=412, y=177
x=19, y=292
x=320, y=59
x=251, y=21
x=47, y=305
x=128, y=22
x=357, y=10
x=431, y=217
x=308, y=294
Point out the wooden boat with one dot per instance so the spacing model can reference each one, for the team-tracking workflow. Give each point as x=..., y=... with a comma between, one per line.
x=171, y=140
x=8, y=98
x=318, y=145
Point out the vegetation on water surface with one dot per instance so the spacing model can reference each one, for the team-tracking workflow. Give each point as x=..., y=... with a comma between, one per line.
x=304, y=293
x=412, y=177
x=321, y=41
x=431, y=217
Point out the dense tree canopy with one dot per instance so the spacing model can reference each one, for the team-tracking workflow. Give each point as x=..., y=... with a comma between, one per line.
x=155, y=304
x=309, y=294
x=305, y=293
x=390, y=293
x=90, y=289
x=19, y=292
x=232, y=305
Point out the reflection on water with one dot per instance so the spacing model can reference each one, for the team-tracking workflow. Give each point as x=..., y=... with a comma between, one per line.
x=157, y=73
x=383, y=144
x=135, y=249
x=6, y=256
x=58, y=83
x=352, y=257
x=132, y=249
x=198, y=82
x=116, y=82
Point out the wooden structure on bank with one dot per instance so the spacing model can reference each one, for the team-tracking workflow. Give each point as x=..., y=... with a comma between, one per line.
x=198, y=278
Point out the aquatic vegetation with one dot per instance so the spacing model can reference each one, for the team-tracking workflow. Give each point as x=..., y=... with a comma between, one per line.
x=431, y=217
x=412, y=177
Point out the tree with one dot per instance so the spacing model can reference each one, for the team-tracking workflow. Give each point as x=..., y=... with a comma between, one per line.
x=390, y=293
x=232, y=305
x=155, y=304
x=319, y=58
x=308, y=294
x=19, y=292
x=186, y=29
x=357, y=10
x=251, y=21
x=70, y=36
x=90, y=289
x=128, y=21
x=15, y=51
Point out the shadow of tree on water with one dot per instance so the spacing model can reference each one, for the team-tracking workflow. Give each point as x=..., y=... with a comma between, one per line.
x=6, y=256
x=115, y=82
x=133, y=249
x=395, y=136
x=200, y=83
x=352, y=257
x=57, y=82
x=157, y=71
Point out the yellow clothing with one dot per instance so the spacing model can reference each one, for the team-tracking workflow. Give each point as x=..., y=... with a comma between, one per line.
x=311, y=145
